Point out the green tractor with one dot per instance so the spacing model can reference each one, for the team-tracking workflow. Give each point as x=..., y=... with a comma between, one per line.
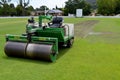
x=41, y=41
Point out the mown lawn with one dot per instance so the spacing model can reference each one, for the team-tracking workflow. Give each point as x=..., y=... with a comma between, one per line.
x=96, y=57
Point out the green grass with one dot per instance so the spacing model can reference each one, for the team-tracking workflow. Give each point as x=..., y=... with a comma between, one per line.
x=96, y=57
x=108, y=25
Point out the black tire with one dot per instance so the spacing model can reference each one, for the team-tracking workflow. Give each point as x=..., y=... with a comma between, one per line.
x=70, y=43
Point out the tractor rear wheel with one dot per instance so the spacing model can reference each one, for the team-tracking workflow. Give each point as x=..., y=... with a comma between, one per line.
x=70, y=43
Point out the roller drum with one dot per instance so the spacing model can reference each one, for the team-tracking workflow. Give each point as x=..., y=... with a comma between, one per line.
x=30, y=50
x=15, y=49
x=40, y=51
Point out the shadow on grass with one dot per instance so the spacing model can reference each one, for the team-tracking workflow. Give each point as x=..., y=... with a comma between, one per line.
x=27, y=60
x=62, y=51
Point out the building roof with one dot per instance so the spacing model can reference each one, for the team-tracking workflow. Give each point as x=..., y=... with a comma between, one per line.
x=54, y=11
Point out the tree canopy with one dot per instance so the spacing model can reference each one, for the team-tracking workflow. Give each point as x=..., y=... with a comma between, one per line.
x=72, y=5
x=42, y=8
x=9, y=9
x=2, y=2
x=106, y=7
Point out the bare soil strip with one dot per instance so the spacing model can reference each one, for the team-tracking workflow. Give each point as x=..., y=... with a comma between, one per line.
x=83, y=29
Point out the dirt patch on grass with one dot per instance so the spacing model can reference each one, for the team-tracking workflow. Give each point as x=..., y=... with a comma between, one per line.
x=82, y=29
x=100, y=33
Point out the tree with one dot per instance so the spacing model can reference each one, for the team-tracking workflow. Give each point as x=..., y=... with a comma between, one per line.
x=19, y=10
x=12, y=10
x=43, y=7
x=5, y=10
x=117, y=9
x=106, y=7
x=72, y=5
x=12, y=5
x=56, y=7
x=0, y=10
x=24, y=4
x=29, y=9
x=69, y=7
x=2, y=2
x=5, y=7
x=87, y=9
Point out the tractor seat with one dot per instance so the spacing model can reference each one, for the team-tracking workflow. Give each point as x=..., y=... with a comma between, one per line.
x=56, y=22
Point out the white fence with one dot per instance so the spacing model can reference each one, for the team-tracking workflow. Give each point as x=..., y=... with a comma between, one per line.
x=64, y=16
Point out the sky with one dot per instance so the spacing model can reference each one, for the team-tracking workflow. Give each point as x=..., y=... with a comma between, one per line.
x=49, y=3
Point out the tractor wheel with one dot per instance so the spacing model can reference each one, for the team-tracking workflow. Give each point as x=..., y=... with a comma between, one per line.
x=70, y=43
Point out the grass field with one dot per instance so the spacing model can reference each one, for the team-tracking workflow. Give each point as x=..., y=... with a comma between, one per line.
x=94, y=57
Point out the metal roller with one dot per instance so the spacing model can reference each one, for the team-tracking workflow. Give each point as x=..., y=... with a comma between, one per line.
x=40, y=51
x=16, y=49
x=31, y=50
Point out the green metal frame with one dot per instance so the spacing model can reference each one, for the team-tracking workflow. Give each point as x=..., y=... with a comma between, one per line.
x=43, y=17
x=52, y=32
x=42, y=40
x=19, y=38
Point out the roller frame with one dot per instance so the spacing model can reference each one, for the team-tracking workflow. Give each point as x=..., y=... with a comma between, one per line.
x=35, y=41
